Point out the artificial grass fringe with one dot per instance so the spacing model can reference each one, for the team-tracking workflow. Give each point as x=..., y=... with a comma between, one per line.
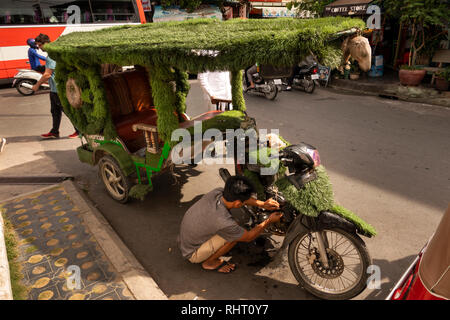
x=227, y=120
x=368, y=229
x=316, y=196
x=254, y=178
x=170, y=49
x=139, y=191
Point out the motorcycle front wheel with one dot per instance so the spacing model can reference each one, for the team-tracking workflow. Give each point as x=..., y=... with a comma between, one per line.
x=348, y=259
x=25, y=91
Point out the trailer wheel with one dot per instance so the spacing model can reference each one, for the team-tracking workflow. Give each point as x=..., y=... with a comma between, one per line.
x=115, y=181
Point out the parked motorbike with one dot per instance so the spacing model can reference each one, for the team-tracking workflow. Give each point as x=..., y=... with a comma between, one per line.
x=305, y=77
x=325, y=253
x=25, y=79
x=267, y=83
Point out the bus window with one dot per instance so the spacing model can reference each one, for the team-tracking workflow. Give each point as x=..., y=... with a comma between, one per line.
x=66, y=11
x=108, y=11
x=19, y=12
x=14, y=12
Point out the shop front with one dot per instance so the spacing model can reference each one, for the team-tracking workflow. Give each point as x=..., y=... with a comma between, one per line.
x=272, y=9
x=365, y=10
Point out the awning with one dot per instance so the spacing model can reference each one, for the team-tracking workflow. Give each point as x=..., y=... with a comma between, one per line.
x=347, y=8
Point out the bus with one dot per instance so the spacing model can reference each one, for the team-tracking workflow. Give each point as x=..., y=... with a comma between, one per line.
x=24, y=19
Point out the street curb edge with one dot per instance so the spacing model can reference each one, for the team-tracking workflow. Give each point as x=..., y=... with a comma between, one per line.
x=5, y=278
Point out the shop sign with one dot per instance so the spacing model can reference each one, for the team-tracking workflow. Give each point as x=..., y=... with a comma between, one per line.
x=359, y=9
x=146, y=5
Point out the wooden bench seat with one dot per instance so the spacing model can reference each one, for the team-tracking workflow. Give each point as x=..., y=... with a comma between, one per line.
x=440, y=57
x=132, y=110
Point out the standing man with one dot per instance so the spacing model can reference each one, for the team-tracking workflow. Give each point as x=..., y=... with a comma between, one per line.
x=216, y=88
x=56, y=108
x=2, y=144
x=208, y=230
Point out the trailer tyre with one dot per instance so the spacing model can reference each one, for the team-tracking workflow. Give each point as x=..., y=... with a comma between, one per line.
x=117, y=184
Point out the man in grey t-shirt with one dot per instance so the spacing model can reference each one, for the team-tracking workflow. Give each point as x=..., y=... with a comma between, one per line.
x=56, y=108
x=208, y=230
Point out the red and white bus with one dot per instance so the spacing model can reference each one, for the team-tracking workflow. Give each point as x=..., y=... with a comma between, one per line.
x=24, y=19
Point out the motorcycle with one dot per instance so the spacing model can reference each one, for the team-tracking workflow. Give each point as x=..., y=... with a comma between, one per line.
x=325, y=253
x=25, y=79
x=305, y=77
x=266, y=82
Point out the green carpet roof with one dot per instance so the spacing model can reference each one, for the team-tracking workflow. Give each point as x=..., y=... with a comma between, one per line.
x=234, y=44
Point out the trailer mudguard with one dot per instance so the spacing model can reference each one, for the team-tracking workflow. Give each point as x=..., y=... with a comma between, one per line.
x=122, y=157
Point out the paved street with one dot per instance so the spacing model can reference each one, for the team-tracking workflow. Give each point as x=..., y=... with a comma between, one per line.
x=388, y=160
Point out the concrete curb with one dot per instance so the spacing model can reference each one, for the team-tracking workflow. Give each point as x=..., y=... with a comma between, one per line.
x=34, y=179
x=5, y=278
x=139, y=282
x=387, y=90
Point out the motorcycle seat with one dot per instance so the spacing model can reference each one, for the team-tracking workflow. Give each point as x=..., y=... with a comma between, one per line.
x=304, y=70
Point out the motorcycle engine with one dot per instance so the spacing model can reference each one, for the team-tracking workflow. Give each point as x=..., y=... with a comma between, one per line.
x=289, y=214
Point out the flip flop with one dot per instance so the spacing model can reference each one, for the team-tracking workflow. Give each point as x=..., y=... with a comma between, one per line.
x=220, y=266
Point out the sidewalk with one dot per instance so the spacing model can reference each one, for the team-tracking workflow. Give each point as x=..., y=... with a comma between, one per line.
x=388, y=86
x=57, y=228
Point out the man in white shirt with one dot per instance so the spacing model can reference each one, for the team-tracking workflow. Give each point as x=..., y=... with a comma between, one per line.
x=216, y=88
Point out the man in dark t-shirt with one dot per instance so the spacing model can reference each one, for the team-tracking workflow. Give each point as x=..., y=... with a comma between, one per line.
x=208, y=230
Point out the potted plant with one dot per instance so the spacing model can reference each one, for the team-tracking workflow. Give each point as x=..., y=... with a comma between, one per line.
x=443, y=79
x=411, y=75
x=421, y=16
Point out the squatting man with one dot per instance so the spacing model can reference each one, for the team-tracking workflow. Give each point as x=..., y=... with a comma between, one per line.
x=208, y=231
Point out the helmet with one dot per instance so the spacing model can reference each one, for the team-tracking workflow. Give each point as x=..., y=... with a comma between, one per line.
x=300, y=157
x=31, y=43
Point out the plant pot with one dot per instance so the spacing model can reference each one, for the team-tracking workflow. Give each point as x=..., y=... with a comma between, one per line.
x=354, y=76
x=411, y=77
x=441, y=84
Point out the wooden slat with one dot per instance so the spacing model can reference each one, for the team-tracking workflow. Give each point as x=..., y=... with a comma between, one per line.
x=442, y=56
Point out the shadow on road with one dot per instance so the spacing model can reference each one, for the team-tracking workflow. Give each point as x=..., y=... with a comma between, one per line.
x=396, y=146
x=393, y=270
x=20, y=139
x=150, y=228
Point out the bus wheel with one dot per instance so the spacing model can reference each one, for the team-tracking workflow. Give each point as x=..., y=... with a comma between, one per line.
x=116, y=183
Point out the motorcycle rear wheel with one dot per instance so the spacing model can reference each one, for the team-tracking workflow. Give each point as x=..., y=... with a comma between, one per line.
x=25, y=91
x=310, y=87
x=305, y=264
x=272, y=94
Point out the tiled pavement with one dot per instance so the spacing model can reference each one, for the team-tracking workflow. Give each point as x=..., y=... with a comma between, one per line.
x=52, y=236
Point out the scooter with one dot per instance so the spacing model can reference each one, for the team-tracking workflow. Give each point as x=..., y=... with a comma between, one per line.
x=25, y=79
x=268, y=87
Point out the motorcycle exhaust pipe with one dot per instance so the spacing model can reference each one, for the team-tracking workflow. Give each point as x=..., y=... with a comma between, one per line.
x=26, y=85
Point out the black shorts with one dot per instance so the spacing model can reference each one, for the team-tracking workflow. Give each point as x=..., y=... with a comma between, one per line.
x=40, y=69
